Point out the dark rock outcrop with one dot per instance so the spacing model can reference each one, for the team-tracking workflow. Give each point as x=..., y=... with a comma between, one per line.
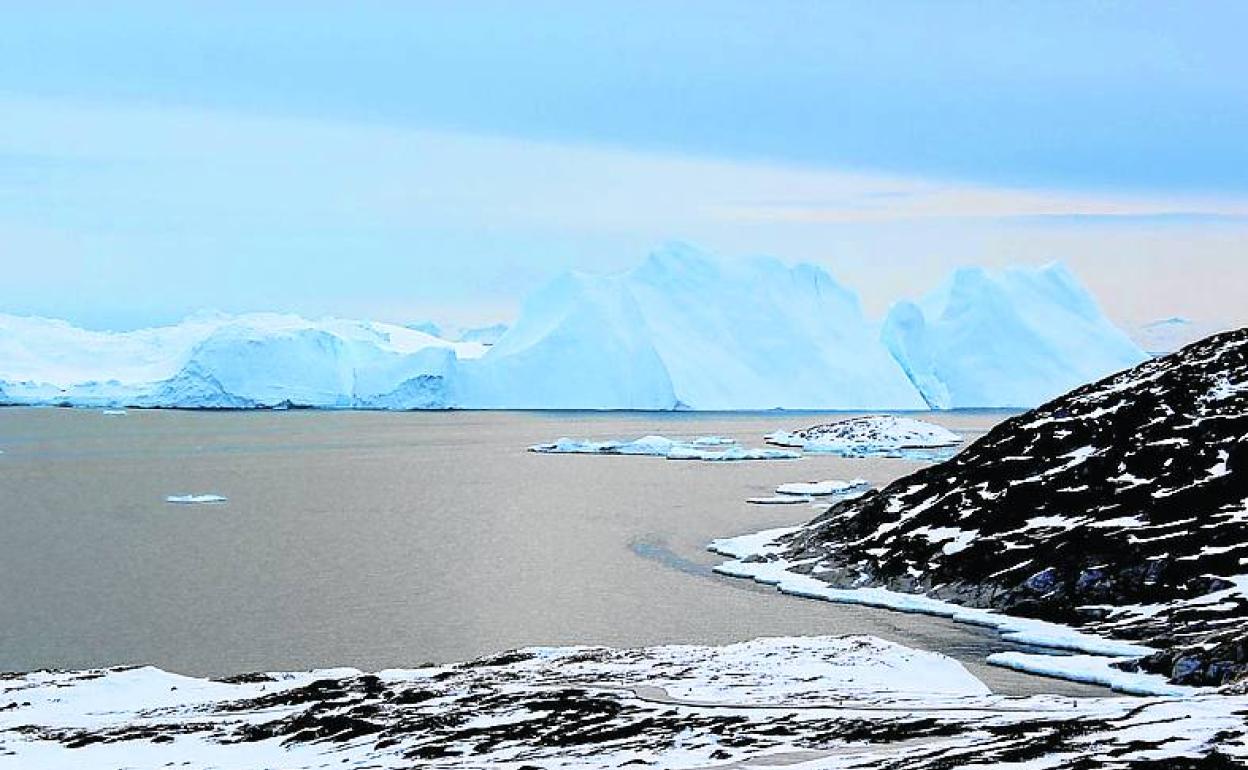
x=1121, y=507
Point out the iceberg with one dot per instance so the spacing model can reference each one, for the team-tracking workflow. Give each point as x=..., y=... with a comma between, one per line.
x=687, y=331
x=881, y=434
x=683, y=330
x=1014, y=339
x=260, y=360
x=710, y=448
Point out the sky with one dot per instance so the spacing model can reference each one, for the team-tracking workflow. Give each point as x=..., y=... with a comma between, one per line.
x=410, y=161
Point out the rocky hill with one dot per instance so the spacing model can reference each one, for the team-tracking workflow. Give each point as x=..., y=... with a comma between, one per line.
x=1121, y=508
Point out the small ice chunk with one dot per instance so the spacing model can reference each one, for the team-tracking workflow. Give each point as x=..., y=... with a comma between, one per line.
x=778, y=500
x=820, y=488
x=731, y=454
x=193, y=499
x=699, y=448
x=112, y=411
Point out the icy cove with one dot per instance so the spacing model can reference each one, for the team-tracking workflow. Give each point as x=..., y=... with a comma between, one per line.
x=684, y=330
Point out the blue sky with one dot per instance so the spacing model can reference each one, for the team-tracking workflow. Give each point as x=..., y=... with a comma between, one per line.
x=403, y=160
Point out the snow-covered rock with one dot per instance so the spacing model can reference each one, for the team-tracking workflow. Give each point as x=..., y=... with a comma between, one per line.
x=1014, y=339
x=1120, y=508
x=686, y=330
x=881, y=434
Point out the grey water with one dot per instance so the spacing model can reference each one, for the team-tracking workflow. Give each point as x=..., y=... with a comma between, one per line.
x=379, y=540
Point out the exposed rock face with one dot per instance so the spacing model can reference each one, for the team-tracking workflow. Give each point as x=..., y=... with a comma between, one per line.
x=1121, y=507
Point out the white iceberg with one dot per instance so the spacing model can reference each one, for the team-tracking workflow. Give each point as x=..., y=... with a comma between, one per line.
x=869, y=435
x=1013, y=339
x=700, y=448
x=684, y=330
x=260, y=360
x=194, y=499
x=688, y=331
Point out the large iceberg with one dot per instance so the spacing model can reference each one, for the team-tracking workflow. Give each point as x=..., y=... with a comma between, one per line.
x=1014, y=339
x=249, y=361
x=684, y=330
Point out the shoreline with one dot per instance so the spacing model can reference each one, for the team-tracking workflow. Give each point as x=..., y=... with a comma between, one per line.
x=1088, y=659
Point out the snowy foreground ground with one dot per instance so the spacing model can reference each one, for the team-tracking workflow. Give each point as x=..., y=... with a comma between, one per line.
x=827, y=702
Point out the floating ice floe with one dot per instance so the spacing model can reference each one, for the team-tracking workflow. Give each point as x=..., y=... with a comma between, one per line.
x=874, y=435
x=194, y=499
x=806, y=492
x=710, y=448
x=730, y=454
x=113, y=412
x=823, y=488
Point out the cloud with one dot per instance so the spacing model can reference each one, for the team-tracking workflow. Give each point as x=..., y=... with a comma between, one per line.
x=170, y=209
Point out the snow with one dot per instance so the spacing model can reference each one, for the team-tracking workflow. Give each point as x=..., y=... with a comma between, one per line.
x=1092, y=669
x=194, y=499
x=863, y=701
x=1014, y=339
x=869, y=435
x=754, y=557
x=709, y=448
